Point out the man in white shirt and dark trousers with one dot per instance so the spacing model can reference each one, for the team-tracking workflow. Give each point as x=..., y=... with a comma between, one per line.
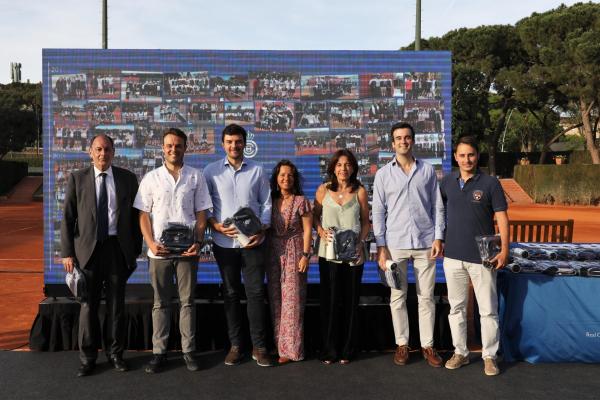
x=408, y=222
x=173, y=193
x=235, y=182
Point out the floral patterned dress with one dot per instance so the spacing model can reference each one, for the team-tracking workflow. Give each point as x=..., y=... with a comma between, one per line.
x=287, y=286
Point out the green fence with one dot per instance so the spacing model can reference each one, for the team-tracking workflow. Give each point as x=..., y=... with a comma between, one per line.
x=560, y=184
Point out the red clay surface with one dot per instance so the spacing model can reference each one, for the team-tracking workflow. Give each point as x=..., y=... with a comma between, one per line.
x=21, y=271
x=21, y=265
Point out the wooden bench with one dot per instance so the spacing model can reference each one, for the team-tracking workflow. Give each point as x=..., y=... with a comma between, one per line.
x=541, y=231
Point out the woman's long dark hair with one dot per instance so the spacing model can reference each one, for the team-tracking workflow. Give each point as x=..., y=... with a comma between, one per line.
x=296, y=189
x=353, y=181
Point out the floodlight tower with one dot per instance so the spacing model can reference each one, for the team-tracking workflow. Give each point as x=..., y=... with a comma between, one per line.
x=15, y=72
x=418, y=27
x=104, y=24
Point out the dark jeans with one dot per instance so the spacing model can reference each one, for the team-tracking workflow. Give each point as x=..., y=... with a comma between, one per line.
x=107, y=268
x=339, y=292
x=233, y=263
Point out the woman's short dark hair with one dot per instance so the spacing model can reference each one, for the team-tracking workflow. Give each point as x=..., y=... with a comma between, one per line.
x=469, y=140
x=234, y=130
x=353, y=181
x=296, y=189
x=177, y=132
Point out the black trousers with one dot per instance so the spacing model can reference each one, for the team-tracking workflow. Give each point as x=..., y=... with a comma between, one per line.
x=106, y=269
x=339, y=293
x=233, y=263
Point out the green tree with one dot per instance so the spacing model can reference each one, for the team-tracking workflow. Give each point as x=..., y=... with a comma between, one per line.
x=563, y=48
x=20, y=116
x=541, y=100
x=526, y=131
x=483, y=60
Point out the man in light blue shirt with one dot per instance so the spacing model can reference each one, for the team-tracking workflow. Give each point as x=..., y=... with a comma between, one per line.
x=408, y=222
x=233, y=183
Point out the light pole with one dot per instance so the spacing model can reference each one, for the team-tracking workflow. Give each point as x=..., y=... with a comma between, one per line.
x=418, y=27
x=505, y=129
x=105, y=24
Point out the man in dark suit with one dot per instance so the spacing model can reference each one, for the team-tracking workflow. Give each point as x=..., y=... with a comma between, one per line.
x=100, y=235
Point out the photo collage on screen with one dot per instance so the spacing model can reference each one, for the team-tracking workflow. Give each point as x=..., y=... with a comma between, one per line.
x=317, y=113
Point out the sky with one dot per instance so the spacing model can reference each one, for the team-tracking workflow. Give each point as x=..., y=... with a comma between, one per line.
x=28, y=26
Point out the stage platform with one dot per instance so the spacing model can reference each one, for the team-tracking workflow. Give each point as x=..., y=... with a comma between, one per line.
x=55, y=327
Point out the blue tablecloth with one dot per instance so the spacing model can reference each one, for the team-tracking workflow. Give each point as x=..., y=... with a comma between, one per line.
x=549, y=319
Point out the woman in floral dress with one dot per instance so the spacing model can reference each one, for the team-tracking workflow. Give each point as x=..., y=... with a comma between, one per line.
x=290, y=242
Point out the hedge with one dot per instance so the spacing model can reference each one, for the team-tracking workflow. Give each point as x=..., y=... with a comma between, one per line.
x=34, y=160
x=560, y=184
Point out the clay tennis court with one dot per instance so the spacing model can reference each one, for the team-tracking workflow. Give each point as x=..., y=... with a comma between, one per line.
x=22, y=244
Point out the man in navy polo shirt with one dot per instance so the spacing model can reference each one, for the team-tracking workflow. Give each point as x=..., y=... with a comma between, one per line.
x=472, y=199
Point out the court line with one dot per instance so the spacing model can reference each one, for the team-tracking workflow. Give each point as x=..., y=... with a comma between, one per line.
x=17, y=230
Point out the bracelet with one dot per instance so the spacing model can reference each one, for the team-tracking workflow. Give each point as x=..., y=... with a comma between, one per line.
x=305, y=254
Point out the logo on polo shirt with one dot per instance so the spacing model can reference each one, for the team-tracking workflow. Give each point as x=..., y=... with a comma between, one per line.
x=251, y=149
x=477, y=195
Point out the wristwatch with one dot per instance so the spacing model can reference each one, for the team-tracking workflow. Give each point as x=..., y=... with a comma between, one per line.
x=305, y=254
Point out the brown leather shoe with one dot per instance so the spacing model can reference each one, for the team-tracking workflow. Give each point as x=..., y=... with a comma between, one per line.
x=262, y=357
x=432, y=357
x=401, y=355
x=234, y=357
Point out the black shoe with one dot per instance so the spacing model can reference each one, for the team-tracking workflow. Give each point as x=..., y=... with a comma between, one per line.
x=118, y=363
x=86, y=369
x=156, y=364
x=190, y=361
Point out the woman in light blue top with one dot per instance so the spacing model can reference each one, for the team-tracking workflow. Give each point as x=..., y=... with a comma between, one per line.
x=340, y=204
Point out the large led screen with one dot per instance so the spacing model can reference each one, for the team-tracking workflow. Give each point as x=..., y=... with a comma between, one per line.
x=299, y=105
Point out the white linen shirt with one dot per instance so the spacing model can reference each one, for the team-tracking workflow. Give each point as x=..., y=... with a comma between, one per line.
x=173, y=201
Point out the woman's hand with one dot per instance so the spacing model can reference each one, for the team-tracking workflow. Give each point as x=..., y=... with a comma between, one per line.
x=326, y=234
x=303, y=264
x=360, y=254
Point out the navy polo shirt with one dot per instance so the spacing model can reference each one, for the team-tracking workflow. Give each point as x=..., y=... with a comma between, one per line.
x=469, y=213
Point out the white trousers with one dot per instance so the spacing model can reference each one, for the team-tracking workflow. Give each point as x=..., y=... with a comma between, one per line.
x=484, y=284
x=424, y=269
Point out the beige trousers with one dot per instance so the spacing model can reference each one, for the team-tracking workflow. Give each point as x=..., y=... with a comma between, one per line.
x=424, y=269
